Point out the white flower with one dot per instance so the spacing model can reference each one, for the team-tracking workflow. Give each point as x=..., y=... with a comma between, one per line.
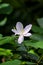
x=22, y=32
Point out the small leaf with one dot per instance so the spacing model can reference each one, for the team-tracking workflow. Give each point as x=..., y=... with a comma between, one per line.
x=28, y=63
x=3, y=22
x=5, y=52
x=32, y=51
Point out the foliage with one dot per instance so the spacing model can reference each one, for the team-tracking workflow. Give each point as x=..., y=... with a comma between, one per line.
x=30, y=52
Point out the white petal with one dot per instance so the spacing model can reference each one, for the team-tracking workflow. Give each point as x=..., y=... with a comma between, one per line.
x=15, y=31
x=28, y=34
x=20, y=39
x=19, y=26
x=27, y=28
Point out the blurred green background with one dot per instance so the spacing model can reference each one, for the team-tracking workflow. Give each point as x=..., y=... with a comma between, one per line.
x=27, y=12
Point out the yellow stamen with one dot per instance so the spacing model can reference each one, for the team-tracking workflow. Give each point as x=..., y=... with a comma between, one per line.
x=22, y=32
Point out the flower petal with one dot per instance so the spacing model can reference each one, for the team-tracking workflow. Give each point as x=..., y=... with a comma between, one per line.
x=15, y=31
x=19, y=26
x=28, y=34
x=27, y=28
x=20, y=39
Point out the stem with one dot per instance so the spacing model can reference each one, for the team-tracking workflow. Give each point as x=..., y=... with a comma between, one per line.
x=40, y=59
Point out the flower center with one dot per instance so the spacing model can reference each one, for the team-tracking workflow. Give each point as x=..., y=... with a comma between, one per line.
x=21, y=33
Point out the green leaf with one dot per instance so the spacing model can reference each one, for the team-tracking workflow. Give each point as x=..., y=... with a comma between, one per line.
x=34, y=44
x=37, y=37
x=33, y=55
x=3, y=22
x=32, y=51
x=21, y=48
x=7, y=39
x=40, y=22
x=5, y=8
x=15, y=62
x=37, y=29
x=5, y=52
